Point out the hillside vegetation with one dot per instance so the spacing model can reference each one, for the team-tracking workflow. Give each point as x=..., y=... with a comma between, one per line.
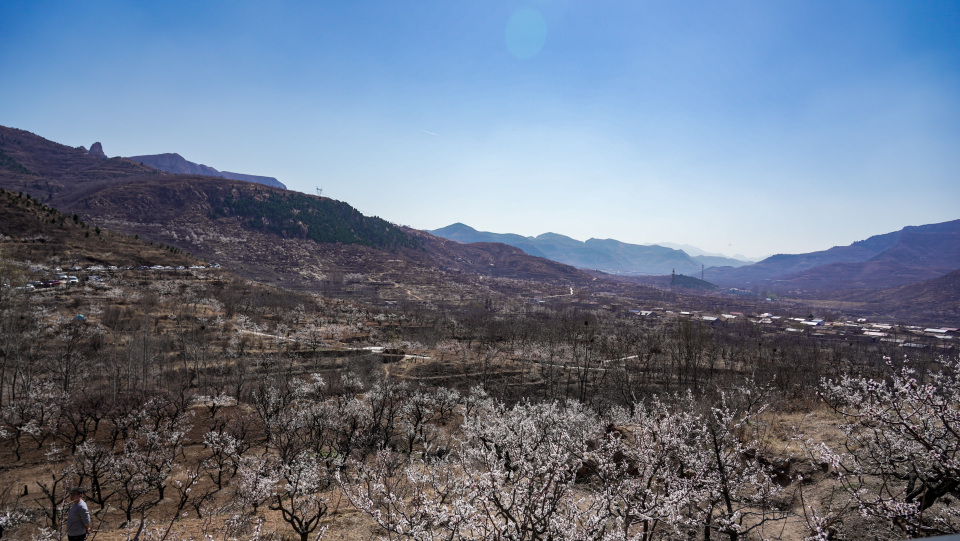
x=296, y=215
x=31, y=231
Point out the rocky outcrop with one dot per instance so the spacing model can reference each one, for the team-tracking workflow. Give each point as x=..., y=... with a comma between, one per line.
x=96, y=149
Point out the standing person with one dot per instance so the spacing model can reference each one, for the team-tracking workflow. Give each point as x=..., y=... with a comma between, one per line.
x=78, y=519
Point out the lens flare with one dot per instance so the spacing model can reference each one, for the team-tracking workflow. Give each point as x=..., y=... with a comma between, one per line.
x=526, y=33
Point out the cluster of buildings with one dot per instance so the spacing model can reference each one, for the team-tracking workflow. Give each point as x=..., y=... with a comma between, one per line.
x=63, y=279
x=908, y=336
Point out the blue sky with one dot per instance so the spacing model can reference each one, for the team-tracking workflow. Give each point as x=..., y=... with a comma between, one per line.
x=739, y=127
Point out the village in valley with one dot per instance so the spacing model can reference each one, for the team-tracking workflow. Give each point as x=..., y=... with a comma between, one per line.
x=240, y=374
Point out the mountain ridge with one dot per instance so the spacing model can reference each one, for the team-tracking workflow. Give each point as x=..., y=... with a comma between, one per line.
x=911, y=254
x=694, y=251
x=171, y=162
x=607, y=255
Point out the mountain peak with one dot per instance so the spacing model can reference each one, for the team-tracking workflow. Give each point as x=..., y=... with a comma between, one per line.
x=556, y=236
x=454, y=229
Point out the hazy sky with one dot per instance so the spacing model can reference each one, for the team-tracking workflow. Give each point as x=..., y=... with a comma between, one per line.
x=739, y=127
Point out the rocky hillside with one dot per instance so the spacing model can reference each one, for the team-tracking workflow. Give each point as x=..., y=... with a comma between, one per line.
x=30, y=163
x=295, y=239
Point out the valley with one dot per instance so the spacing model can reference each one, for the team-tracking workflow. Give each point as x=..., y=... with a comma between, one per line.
x=236, y=361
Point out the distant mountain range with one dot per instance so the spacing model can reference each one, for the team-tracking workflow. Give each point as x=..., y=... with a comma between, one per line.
x=607, y=255
x=300, y=240
x=913, y=254
x=175, y=163
x=694, y=251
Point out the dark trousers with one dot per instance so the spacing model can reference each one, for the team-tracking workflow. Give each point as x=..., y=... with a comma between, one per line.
x=81, y=537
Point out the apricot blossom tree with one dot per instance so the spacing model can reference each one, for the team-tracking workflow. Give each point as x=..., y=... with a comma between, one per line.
x=900, y=459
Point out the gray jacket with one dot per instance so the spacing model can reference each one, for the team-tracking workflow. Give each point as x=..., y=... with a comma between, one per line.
x=78, y=519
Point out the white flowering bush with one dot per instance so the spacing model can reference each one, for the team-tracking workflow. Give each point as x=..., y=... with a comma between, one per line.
x=511, y=476
x=900, y=460
x=651, y=469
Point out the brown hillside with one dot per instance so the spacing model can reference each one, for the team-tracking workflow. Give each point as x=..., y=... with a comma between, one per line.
x=931, y=302
x=178, y=210
x=53, y=169
x=32, y=231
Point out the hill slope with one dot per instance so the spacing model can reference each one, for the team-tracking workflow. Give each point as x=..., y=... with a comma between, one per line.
x=263, y=233
x=931, y=302
x=32, y=231
x=913, y=254
x=280, y=236
x=46, y=169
